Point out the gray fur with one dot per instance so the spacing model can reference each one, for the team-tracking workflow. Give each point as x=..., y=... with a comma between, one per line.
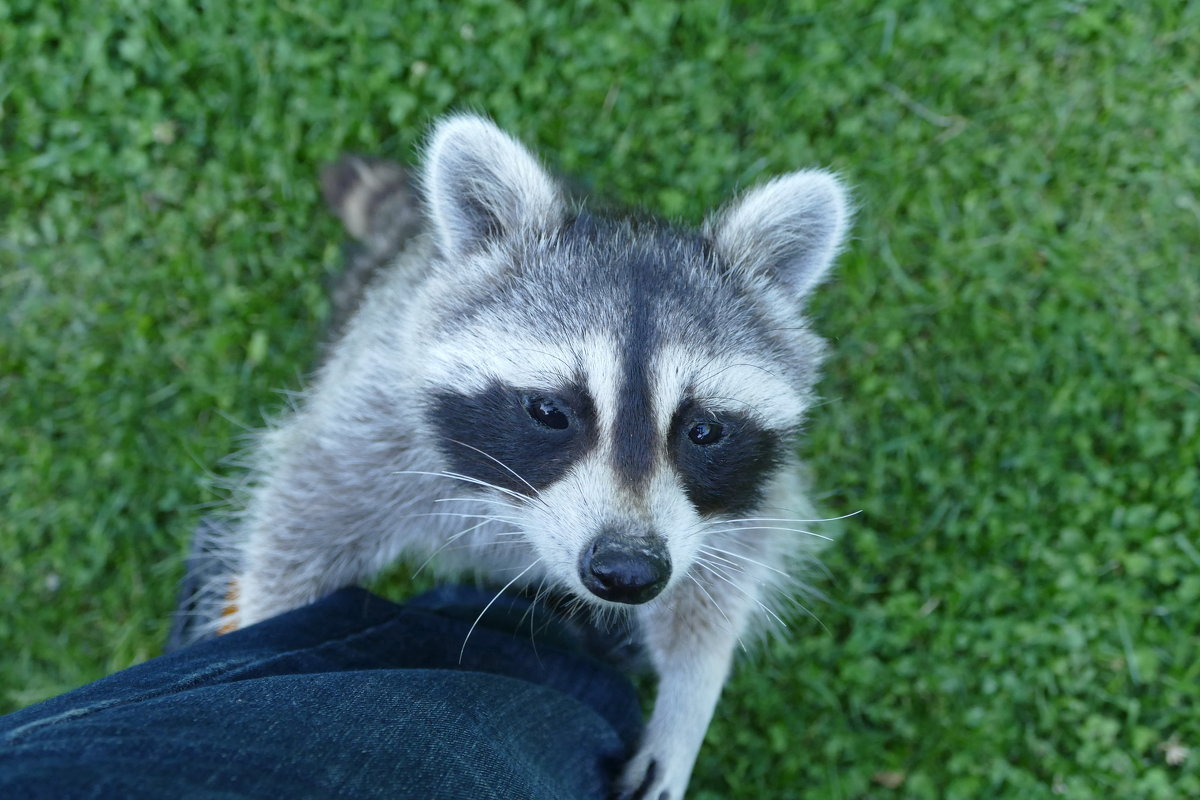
x=507, y=282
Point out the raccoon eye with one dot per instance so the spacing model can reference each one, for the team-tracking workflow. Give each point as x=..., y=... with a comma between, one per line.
x=703, y=433
x=548, y=412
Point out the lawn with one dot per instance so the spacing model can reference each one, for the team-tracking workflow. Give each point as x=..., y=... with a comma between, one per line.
x=1013, y=398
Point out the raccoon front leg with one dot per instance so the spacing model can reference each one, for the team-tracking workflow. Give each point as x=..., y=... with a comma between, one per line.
x=283, y=572
x=691, y=641
x=330, y=510
x=287, y=563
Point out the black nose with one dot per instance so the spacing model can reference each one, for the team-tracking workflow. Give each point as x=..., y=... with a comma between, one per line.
x=625, y=569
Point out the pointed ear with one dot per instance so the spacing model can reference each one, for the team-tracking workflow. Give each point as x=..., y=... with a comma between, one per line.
x=482, y=184
x=789, y=229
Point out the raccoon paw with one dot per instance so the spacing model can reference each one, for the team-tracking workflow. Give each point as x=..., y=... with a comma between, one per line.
x=644, y=779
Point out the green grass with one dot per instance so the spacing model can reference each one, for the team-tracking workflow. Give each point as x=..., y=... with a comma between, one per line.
x=1013, y=399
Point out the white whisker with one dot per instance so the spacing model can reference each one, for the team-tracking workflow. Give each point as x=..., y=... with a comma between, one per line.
x=484, y=545
x=453, y=538
x=720, y=610
x=466, y=479
x=503, y=589
x=744, y=593
x=708, y=547
x=783, y=519
x=714, y=567
x=722, y=559
x=515, y=474
x=492, y=500
x=769, y=528
x=461, y=515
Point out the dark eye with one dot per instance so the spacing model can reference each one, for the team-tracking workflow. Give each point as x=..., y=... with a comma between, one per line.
x=548, y=411
x=706, y=433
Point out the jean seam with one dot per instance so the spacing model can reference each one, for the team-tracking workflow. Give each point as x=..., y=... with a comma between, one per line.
x=16, y=734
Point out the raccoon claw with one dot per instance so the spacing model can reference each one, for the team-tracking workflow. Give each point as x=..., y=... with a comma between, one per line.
x=648, y=788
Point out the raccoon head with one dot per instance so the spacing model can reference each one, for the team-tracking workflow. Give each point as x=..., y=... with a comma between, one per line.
x=616, y=389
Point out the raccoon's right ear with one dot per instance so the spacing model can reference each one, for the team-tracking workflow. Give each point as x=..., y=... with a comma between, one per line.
x=789, y=229
x=482, y=184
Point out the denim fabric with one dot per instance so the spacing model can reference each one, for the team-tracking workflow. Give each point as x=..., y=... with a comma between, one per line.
x=350, y=697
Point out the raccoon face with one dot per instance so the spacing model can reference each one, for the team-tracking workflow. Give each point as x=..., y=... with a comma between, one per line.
x=614, y=497
x=614, y=388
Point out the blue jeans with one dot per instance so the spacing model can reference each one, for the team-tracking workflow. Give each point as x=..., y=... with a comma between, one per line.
x=352, y=696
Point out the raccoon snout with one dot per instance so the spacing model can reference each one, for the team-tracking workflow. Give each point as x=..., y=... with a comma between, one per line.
x=625, y=569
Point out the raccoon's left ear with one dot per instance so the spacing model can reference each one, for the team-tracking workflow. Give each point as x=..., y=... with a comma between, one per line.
x=482, y=184
x=789, y=229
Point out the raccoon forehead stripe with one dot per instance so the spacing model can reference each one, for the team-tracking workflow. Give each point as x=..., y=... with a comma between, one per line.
x=634, y=430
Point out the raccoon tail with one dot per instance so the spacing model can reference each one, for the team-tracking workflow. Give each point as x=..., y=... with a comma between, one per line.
x=378, y=204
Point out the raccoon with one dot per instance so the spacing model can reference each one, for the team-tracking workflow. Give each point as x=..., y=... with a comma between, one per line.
x=545, y=396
